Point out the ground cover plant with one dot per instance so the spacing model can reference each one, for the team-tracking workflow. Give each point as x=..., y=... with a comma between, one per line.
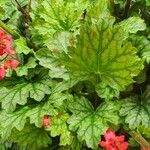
x=75, y=74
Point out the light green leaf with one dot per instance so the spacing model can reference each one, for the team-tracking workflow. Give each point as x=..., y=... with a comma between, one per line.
x=59, y=127
x=136, y=110
x=17, y=119
x=58, y=99
x=10, y=120
x=90, y=124
x=104, y=58
x=31, y=137
x=55, y=15
x=38, y=90
x=46, y=58
x=19, y=93
x=16, y=95
x=61, y=41
x=132, y=25
x=21, y=46
x=36, y=113
x=23, y=69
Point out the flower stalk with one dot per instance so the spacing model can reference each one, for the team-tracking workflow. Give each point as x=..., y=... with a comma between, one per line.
x=140, y=139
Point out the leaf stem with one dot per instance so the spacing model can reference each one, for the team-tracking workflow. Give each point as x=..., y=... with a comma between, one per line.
x=126, y=9
x=30, y=8
x=4, y=58
x=9, y=30
x=24, y=12
x=141, y=140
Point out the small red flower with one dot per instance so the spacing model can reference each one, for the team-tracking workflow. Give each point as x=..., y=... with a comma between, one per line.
x=2, y=73
x=46, y=121
x=13, y=63
x=6, y=50
x=113, y=142
x=6, y=44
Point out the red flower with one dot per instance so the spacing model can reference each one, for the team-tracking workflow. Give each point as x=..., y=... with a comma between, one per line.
x=13, y=63
x=113, y=142
x=2, y=73
x=46, y=121
x=6, y=44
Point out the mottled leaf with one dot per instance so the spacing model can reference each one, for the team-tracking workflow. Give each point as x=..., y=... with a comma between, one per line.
x=90, y=124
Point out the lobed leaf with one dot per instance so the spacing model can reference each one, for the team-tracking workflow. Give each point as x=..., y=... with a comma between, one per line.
x=88, y=123
x=136, y=110
x=103, y=57
x=19, y=93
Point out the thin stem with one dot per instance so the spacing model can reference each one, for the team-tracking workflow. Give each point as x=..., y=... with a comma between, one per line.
x=4, y=58
x=126, y=9
x=141, y=140
x=9, y=30
x=30, y=8
x=21, y=9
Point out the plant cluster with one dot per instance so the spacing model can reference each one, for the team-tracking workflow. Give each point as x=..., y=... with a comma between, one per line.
x=74, y=74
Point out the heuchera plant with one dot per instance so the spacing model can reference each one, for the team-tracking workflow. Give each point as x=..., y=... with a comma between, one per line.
x=71, y=70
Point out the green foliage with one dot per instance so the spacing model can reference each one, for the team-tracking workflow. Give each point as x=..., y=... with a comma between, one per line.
x=59, y=127
x=31, y=137
x=136, y=110
x=84, y=67
x=89, y=123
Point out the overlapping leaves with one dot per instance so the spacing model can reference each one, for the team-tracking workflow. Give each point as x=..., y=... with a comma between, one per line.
x=55, y=15
x=89, y=123
x=19, y=93
x=18, y=118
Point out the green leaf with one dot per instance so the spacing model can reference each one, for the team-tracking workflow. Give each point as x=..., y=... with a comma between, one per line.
x=90, y=124
x=23, y=69
x=143, y=46
x=103, y=57
x=36, y=113
x=19, y=93
x=136, y=110
x=32, y=137
x=46, y=59
x=59, y=127
x=16, y=95
x=21, y=46
x=61, y=41
x=147, y=2
x=10, y=120
x=55, y=15
x=17, y=119
x=132, y=25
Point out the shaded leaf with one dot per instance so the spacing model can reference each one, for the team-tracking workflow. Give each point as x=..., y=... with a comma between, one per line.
x=10, y=120
x=143, y=46
x=136, y=110
x=19, y=93
x=31, y=137
x=23, y=69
